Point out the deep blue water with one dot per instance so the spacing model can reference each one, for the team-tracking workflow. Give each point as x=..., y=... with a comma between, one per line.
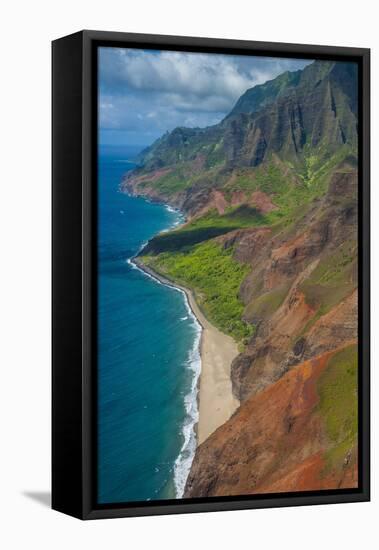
x=148, y=354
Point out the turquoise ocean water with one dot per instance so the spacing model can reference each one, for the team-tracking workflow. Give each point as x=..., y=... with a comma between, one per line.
x=148, y=358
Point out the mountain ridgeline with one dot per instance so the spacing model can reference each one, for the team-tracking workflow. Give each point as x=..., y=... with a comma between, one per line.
x=293, y=117
x=269, y=249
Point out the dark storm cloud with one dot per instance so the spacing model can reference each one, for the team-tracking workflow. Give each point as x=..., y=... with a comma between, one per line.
x=144, y=93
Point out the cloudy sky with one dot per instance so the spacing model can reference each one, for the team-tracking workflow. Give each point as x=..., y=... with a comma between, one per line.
x=144, y=93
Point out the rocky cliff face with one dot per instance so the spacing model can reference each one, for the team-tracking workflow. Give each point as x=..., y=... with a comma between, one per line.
x=274, y=188
x=279, y=440
x=301, y=293
x=302, y=117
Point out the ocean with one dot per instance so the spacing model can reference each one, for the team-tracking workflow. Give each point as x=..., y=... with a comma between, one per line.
x=148, y=352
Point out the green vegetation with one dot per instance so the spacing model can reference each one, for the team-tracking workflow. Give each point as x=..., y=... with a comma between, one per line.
x=333, y=279
x=236, y=217
x=206, y=227
x=187, y=254
x=186, y=173
x=287, y=185
x=259, y=96
x=290, y=187
x=288, y=195
x=215, y=277
x=338, y=406
x=293, y=170
x=182, y=239
x=172, y=182
x=318, y=163
x=266, y=304
x=183, y=146
x=267, y=178
x=309, y=175
x=215, y=155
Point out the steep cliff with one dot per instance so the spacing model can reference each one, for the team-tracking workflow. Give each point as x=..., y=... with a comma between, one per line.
x=298, y=434
x=270, y=250
x=303, y=118
x=301, y=291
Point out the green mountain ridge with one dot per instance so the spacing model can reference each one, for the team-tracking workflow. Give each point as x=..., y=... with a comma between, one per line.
x=261, y=95
x=260, y=169
x=269, y=250
x=282, y=116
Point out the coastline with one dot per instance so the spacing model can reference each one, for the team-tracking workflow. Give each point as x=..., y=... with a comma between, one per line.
x=216, y=401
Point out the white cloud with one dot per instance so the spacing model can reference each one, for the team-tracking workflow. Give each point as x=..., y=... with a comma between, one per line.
x=195, y=74
x=153, y=91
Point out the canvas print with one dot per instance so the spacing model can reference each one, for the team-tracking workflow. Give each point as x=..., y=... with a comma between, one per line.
x=227, y=275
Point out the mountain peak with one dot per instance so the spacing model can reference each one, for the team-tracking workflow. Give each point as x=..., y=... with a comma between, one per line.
x=315, y=107
x=259, y=96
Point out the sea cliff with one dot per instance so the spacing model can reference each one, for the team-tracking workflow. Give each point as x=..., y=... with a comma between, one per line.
x=269, y=250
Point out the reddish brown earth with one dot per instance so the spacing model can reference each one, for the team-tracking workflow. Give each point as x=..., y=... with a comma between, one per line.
x=301, y=290
x=143, y=185
x=247, y=243
x=238, y=197
x=198, y=163
x=334, y=328
x=219, y=202
x=262, y=202
x=150, y=177
x=275, y=442
x=277, y=345
x=294, y=318
x=301, y=295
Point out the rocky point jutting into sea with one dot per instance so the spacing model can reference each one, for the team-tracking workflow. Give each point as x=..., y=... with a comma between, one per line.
x=269, y=250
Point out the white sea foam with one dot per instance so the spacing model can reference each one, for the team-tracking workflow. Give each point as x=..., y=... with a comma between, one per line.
x=142, y=246
x=184, y=460
x=130, y=262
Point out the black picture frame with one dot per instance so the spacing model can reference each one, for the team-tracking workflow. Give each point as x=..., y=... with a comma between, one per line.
x=74, y=172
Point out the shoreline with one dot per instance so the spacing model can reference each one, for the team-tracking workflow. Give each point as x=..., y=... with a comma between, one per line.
x=216, y=402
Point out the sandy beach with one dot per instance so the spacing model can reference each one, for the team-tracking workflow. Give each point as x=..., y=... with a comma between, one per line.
x=216, y=400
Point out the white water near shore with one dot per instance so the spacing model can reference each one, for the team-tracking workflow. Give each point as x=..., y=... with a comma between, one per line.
x=184, y=460
x=210, y=401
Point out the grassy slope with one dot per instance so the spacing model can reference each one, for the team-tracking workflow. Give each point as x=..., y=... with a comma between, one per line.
x=215, y=278
x=338, y=404
x=189, y=256
x=266, y=304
